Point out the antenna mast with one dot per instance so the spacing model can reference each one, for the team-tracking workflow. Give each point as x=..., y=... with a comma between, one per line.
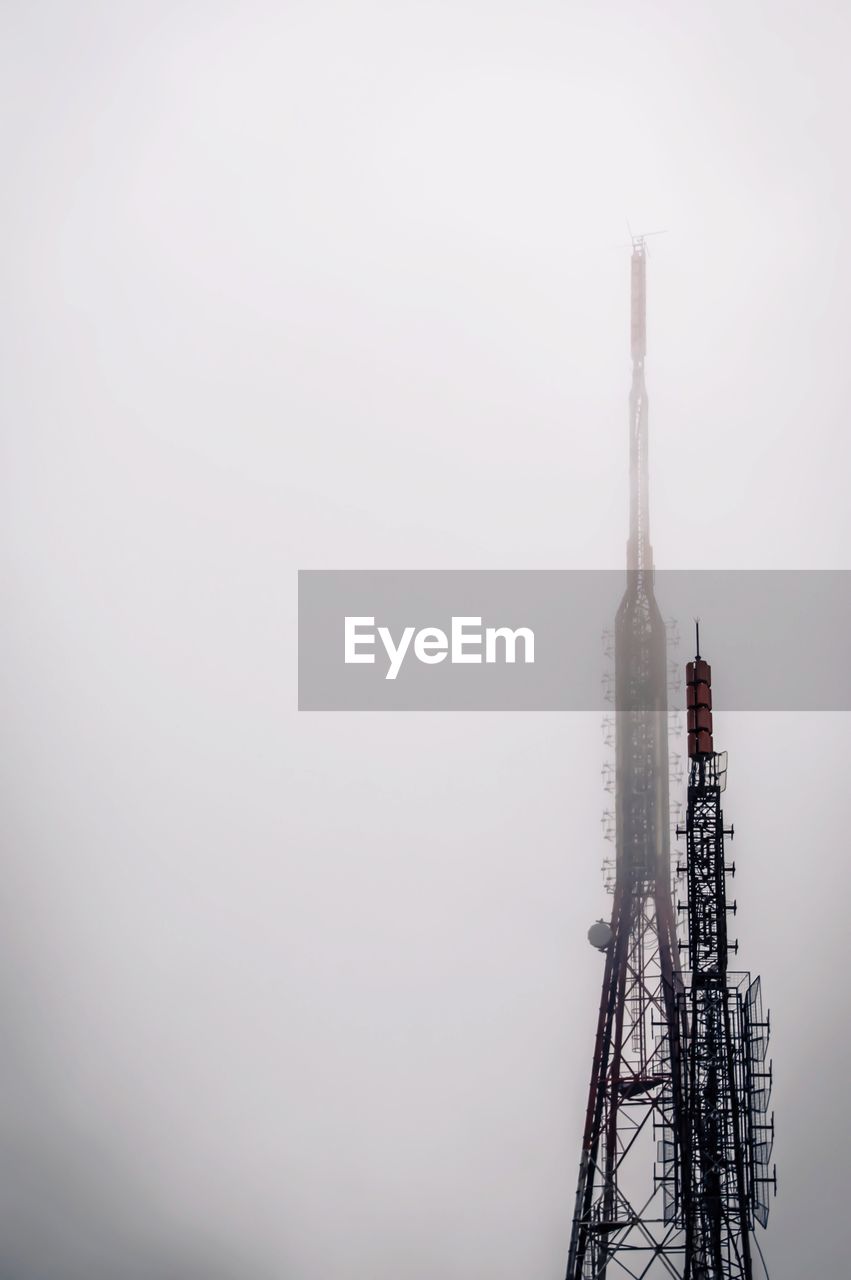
x=673, y=1174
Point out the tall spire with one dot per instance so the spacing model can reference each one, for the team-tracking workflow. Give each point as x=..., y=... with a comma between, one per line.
x=623, y=1216
x=639, y=551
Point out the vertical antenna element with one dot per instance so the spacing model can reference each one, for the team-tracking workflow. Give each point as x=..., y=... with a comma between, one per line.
x=639, y=553
x=699, y=707
x=638, y=292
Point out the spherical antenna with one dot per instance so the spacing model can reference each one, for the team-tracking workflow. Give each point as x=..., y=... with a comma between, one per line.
x=600, y=935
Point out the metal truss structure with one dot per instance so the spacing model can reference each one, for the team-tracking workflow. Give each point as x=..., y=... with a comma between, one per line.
x=727, y=1135
x=676, y=1141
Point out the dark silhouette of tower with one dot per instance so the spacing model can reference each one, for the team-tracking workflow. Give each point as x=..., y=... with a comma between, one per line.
x=727, y=1134
x=641, y=1208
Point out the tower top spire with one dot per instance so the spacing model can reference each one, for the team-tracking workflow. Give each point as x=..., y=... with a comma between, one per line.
x=638, y=299
x=639, y=552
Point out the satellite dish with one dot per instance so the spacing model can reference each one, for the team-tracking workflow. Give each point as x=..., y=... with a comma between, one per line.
x=600, y=935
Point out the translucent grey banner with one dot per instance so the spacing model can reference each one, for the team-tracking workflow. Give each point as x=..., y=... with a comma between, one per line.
x=530, y=640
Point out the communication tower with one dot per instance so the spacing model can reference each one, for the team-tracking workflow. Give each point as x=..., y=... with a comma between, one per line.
x=673, y=1172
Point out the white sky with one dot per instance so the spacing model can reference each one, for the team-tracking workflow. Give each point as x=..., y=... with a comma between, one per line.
x=346, y=285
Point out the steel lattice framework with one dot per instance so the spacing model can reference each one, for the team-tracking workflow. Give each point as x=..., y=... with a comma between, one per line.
x=727, y=1135
x=674, y=1146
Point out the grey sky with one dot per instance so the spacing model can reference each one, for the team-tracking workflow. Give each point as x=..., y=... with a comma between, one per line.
x=345, y=285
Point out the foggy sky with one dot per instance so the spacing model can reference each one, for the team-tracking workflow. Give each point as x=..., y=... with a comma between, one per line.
x=307, y=285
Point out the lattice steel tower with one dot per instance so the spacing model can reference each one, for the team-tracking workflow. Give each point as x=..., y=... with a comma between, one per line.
x=719, y=1187
x=646, y=1204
